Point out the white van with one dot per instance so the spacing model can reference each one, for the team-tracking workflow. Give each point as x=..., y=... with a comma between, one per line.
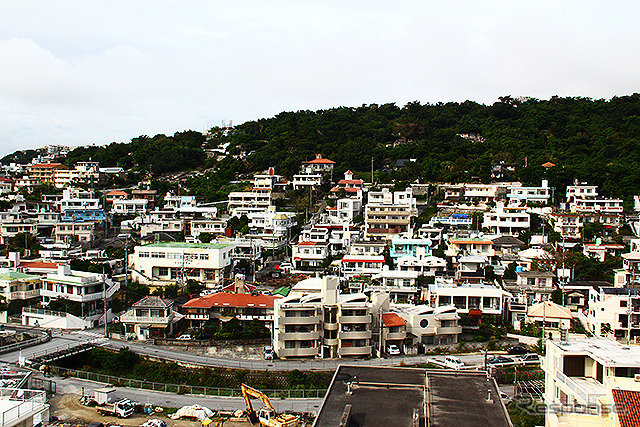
x=453, y=362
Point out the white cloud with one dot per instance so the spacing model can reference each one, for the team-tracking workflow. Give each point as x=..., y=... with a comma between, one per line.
x=88, y=72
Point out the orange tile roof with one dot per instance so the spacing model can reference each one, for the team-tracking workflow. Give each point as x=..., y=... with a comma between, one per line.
x=49, y=165
x=36, y=264
x=320, y=161
x=627, y=407
x=223, y=299
x=392, y=319
x=116, y=193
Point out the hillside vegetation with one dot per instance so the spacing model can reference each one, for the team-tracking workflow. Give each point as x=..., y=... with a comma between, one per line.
x=591, y=140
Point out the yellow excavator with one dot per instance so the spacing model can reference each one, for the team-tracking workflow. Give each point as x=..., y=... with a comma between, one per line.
x=267, y=416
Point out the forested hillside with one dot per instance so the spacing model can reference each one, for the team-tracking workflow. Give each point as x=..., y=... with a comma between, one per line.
x=591, y=140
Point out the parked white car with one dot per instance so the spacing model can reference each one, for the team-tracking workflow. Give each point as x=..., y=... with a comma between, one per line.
x=268, y=352
x=453, y=362
x=393, y=350
x=185, y=337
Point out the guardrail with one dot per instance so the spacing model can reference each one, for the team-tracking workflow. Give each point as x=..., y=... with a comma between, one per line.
x=185, y=388
x=23, y=344
x=63, y=350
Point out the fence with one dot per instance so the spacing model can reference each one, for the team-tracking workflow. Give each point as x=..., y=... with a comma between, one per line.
x=184, y=388
x=22, y=344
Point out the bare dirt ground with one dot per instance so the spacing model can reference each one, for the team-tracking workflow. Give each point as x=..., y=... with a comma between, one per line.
x=69, y=411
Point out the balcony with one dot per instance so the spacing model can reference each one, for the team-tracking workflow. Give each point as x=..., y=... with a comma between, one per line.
x=355, y=319
x=299, y=320
x=586, y=389
x=150, y=320
x=25, y=294
x=384, y=230
x=354, y=351
x=261, y=317
x=347, y=335
x=449, y=330
x=395, y=336
x=298, y=336
x=204, y=317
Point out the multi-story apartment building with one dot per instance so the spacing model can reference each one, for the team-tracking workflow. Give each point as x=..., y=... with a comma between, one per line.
x=400, y=285
x=585, y=198
x=507, y=220
x=129, y=206
x=323, y=322
x=259, y=197
x=485, y=192
x=570, y=225
x=162, y=263
x=630, y=272
x=526, y=195
x=223, y=306
x=75, y=231
x=15, y=285
x=76, y=199
x=309, y=255
x=214, y=226
x=388, y=214
x=614, y=312
x=402, y=247
x=85, y=294
x=302, y=181
x=590, y=383
x=345, y=210
x=430, y=325
x=44, y=172
x=468, y=298
x=470, y=247
x=361, y=265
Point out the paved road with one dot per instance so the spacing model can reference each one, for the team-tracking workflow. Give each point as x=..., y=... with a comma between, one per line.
x=75, y=386
x=65, y=339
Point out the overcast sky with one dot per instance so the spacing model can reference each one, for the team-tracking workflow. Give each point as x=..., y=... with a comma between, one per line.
x=83, y=72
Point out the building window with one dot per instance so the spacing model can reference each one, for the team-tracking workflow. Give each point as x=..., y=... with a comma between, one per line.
x=163, y=271
x=289, y=344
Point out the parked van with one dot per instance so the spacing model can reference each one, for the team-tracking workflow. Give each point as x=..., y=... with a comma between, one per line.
x=268, y=352
x=531, y=357
x=453, y=362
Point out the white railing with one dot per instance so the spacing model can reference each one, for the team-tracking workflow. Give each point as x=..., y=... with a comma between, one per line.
x=26, y=401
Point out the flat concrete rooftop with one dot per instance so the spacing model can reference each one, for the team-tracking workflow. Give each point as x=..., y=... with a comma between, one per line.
x=404, y=397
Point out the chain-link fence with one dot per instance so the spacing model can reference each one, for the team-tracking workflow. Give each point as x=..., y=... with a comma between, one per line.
x=185, y=388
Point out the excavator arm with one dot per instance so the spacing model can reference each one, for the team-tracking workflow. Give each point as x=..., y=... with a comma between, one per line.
x=247, y=394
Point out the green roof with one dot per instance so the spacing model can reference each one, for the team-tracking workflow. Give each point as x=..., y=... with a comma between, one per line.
x=185, y=245
x=284, y=291
x=12, y=275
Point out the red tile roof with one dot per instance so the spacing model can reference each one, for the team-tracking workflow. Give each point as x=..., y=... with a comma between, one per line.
x=49, y=165
x=392, y=319
x=321, y=161
x=347, y=259
x=627, y=407
x=223, y=299
x=36, y=264
x=117, y=193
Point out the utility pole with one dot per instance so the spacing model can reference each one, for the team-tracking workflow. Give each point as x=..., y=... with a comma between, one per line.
x=104, y=301
x=372, y=172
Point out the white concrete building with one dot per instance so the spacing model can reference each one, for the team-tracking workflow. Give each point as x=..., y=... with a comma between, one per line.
x=164, y=263
x=129, y=206
x=303, y=181
x=316, y=321
x=430, y=325
x=591, y=382
x=468, y=298
x=361, y=265
x=309, y=255
x=528, y=195
x=389, y=214
x=506, y=220
x=614, y=313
